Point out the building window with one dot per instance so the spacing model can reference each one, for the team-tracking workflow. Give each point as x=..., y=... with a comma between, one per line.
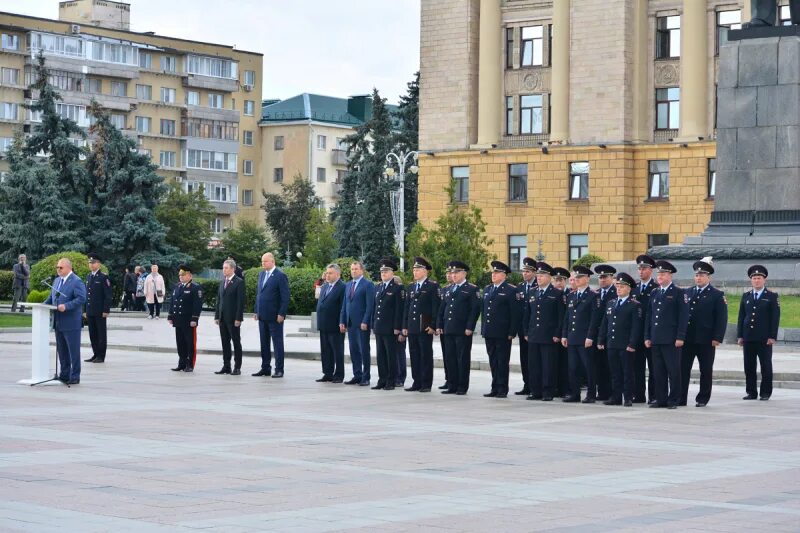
x=247, y=196
x=657, y=239
x=167, y=159
x=167, y=127
x=210, y=129
x=668, y=37
x=784, y=16
x=249, y=108
x=321, y=142
x=143, y=124
x=530, y=114
x=215, y=100
x=460, y=176
x=277, y=175
x=509, y=47
x=10, y=42
x=517, y=251
x=9, y=111
x=509, y=115
x=518, y=182
x=320, y=175
x=668, y=108
x=247, y=167
x=247, y=138
x=118, y=121
x=216, y=225
x=212, y=66
x=659, y=179
x=340, y=174
x=10, y=76
x=250, y=77
x=193, y=98
x=168, y=95
x=168, y=63
x=212, y=160
x=726, y=21
x=578, y=247
x=278, y=142
x=119, y=88
x=712, y=177
x=94, y=85
x=144, y=92
x=145, y=60
x=531, y=48
x=579, y=180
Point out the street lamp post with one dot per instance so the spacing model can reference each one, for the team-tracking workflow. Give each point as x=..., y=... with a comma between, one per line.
x=397, y=200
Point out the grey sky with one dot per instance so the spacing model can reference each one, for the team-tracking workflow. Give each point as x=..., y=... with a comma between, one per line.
x=331, y=47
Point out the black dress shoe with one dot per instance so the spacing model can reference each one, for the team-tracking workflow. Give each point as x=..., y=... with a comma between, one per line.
x=177, y=369
x=353, y=381
x=492, y=394
x=461, y=393
x=262, y=373
x=425, y=389
x=750, y=397
x=523, y=392
x=364, y=384
x=378, y=386
x=502, y=395
x=571, y=399
x=672, y=406
x=700, y=404
x=389, y=387
x=651, y=402
x=656, y=405
x=236, y=372
x=188, y=369
x=412, y=389
x=764, y=398
x=324, y=379
x=73, y=382
x=444, y=387
x=532, y=397
x=65, y=381
x=611, y=402
x=547, y=399
x=629, y=403
x=90, y=360
x=449, y=391
x=99, y=361
x=223, y=370
x=588, y=400
x=277, y=375
x=337, y=380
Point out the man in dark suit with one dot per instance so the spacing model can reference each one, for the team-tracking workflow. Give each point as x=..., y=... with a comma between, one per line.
x=239, y=273
x=578, y=336
x=68, y=295
x=387, y=323
x=129, y=290
x=97, y=309
x=756, y=331
x=21, y=283
x=499, y=325
x=644, y=388
x=524, y=293
x=543, y=315
x=665, y=333
x=419, y=324
x=605, y=293
x=331, y=339
x=272, y=304
x=356, y=319
x=708, y=319
x=228, y=316
x=620, y=331
x=184, y=315
x=457, y=320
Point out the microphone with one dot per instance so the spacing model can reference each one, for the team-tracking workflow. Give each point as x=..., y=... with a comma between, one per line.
x=44, y=282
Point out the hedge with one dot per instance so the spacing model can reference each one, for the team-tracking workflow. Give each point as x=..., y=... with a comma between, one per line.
x=6, y=280
x=45, y=269
x=588, y=260
x=37, y=297
x=210, y=291
x=301, y=289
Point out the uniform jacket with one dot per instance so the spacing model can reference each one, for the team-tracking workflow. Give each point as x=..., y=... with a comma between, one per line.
x=421, y=307
x=98, y=294
x=461, y=311
x=388, y=316
x=667, y=317
x=500, y=312
x=600, y=306
x=758, y=320
x=230, y=301
x=621, y=326
x=272, y=298
x=329, y=306
x=579, y=317
x=22, y=274
x=544, y=316
x=708, y=315
x=187, y=302
x=72, y=293
x=524, y=294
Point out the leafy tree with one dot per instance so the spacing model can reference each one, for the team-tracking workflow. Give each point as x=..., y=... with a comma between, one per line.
x=247, y=243
x=588, y=260
x=406, y=139
x=187, y=217
x=321, y=245
x=287, y=212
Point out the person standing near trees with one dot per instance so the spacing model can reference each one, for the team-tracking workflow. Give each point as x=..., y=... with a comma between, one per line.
x=21, y=283
x=98, y=307
x=154, y=289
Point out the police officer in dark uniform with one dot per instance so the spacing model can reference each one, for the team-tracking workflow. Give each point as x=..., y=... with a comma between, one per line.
x=524, y=292
x=756, y=331
x=499, y=325
x=665, y=333
x=708, y=319
x=419, y=324
x=387, y=323
x=578, y=336
x=184, y=313
x=97, y=308
x=644, y=388
x=457, y=321
x=560, y=277
x=606, y=292
x=444, y=295
x=620, y=332
x=544, y=315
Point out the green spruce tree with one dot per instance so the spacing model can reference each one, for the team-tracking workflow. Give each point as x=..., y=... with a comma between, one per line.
x=406, y=139
x=286, y=214
x=187, y=216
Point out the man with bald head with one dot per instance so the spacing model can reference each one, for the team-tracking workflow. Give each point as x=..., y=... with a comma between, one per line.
x=272, y=304
x=68, y=295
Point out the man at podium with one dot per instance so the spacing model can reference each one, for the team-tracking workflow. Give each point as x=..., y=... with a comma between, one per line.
x=68, y=295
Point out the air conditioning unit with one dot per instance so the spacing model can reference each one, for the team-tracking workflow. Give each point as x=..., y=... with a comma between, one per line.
x=248, y=88
x=75, y=28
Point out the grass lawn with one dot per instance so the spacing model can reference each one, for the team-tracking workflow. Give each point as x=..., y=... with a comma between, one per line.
x=790, y=310
x=15, y=321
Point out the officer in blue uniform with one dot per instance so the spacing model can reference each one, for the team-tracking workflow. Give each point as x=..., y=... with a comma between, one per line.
x=665, y=333
x=620, y=332
x=419, y=324
x=97, y=308
x=643, y=388
x=524, y=293
x=387, y=323
x=499, y=325
x=560, y=277
x=606, y=292
x=756, y=331
x=184, y=313
x=543, y=317
x=457, y=321
x=708, y=319
x=444, y=295
x=578, y=336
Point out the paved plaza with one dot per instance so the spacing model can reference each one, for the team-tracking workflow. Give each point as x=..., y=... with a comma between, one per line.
x=136, y=447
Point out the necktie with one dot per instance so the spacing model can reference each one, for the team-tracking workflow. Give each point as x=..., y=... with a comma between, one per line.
x=353, y=288
x=603, y=294
x=642, y=288
x=60, y=283
x=755, y=295
x=663, y=291
x=325, y=289
x=227, y=281
x=541, y=291
x=266, y=277
x=419, y=285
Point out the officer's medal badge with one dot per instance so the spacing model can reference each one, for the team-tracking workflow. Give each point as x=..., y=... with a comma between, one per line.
x=685, y=298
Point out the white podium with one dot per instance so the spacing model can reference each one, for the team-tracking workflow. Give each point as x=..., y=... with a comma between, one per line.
x=40, y=347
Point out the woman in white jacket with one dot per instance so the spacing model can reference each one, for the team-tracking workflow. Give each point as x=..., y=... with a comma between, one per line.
x=154, y=291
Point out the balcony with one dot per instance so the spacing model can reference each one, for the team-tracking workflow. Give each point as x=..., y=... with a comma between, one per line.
x=339, y=157
x=212, y=113
x=224, y=208
x=84, y=65
x=524, y=141
x=211, y=83
x=664, y=136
